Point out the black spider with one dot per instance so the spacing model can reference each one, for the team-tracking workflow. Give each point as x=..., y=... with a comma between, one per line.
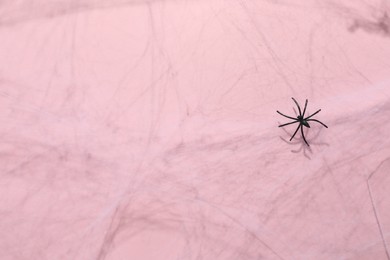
x=301, y=120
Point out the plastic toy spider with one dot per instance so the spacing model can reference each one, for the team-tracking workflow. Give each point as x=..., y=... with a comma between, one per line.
x=301, y=120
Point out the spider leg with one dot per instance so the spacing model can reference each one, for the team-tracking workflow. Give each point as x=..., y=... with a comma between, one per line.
x=289, y=123
x=313, y=114
x=286, y=116
x=295, y=132
x=304, y=137
x=304, y=110
x=299, y=108
x=317, y=122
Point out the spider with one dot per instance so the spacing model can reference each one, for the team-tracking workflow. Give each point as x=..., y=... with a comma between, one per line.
x=301, y=120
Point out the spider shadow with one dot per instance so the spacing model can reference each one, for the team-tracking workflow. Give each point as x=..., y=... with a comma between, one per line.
x=299, y=141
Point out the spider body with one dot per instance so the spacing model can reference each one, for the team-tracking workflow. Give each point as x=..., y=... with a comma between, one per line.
x=302, y=120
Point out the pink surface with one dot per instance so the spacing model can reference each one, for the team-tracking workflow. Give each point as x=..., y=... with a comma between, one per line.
x=148, y=129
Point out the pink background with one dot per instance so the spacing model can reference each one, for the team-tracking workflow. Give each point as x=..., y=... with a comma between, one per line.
x=148, y=129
